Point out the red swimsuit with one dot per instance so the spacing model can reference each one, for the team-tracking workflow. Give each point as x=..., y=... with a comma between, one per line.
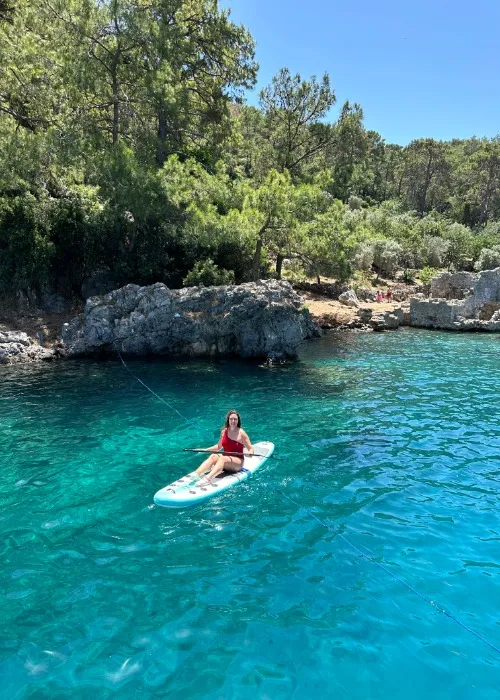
x=229, y=445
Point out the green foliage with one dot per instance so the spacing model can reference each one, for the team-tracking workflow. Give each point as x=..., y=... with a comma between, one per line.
x=461, y=245
x=435, y=250
x=25, y=246
x=364, y=257
x=355, y=203
x=293, y=110
x=362, y=280
x=348, y=153
x=409, y=276
x=387, y=257
x=6, y=11
x=207, y=274
x=489, y=258
x=125, y=146
x=328, y=246
x=427, y=274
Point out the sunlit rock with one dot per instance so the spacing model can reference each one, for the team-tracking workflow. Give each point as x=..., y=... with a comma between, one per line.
x=257, y=319
x=475, y=306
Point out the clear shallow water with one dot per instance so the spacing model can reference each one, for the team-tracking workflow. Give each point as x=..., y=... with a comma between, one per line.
x=391, y=439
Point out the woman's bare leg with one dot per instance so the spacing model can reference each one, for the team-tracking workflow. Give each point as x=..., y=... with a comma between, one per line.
x=222, y=463
x=206, y=465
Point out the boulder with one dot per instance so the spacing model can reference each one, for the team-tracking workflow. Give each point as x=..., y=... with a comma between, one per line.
x=349, y=298
x=257, y=319
x=387, y=320
x=405, y=310
x=365, y=315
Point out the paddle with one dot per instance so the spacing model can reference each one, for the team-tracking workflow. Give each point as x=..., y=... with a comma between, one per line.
x=228, y=454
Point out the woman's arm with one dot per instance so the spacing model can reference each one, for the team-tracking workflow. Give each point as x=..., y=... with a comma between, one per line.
x=246, y=441
x=217, y=447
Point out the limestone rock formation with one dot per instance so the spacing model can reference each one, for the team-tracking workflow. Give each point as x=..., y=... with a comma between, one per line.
x=458, y=285
x=16, y=347
x=257, y=319
x=462, y=301
x=387, y=320
x=349, y=298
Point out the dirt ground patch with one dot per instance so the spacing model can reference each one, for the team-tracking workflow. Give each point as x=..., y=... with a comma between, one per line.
x=44, y=328
x=330, y=311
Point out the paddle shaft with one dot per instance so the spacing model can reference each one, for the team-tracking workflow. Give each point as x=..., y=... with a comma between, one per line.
x=224, y=454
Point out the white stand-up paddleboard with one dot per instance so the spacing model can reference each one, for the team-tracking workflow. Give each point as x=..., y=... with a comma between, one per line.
x=186, y=492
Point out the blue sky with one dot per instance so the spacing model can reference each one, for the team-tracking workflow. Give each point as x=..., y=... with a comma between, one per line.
x=418, y=69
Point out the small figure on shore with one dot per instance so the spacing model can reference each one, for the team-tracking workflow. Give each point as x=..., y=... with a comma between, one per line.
x=388, y=295
x=232, y=439
x=380, y=296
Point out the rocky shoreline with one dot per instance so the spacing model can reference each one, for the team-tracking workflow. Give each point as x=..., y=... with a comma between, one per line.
x=266, y=319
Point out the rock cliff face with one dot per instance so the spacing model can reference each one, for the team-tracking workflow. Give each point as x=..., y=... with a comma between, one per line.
x=258, y=319
x=463, y=301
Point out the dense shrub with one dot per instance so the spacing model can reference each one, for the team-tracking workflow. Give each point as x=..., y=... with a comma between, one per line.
x=207, y=274
x=363, y=259
x=387, y=256
x=489, y=258
x=427, y=274
x=26, y=250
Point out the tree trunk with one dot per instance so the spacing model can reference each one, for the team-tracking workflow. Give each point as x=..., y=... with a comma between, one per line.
x=485, y=199
x=161, y=151
x=279, y=264
x=115, y=96
x=428, y=177
x=256, y=259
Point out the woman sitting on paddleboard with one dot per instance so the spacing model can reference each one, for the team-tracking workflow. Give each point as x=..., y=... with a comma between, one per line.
x=232, y=439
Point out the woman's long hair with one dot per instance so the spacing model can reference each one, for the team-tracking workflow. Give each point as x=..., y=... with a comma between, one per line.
x=230, y=413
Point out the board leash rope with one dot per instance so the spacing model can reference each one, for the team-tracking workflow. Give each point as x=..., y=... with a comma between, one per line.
x=362, y=554
x=358, y=551
x=190, y=422
x=229, y=454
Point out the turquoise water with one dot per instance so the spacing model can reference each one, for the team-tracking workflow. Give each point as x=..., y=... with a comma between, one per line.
x=390, y=439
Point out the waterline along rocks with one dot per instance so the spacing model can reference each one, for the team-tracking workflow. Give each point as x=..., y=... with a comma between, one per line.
x=461, y=302
x=256, y=319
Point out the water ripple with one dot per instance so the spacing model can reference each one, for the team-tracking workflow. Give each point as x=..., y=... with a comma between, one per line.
x=390, y=439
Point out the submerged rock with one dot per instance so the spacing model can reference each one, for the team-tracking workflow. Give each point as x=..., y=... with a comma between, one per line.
x=257, y=319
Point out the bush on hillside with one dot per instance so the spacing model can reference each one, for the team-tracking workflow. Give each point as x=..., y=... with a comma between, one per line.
x=489, y=258
x=207, y=274
x=435, y=249
x=387, y=257
x=25, y=246
x=363, y=259
x=427, y=274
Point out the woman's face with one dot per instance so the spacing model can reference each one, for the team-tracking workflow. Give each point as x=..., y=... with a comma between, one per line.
x=233, y=421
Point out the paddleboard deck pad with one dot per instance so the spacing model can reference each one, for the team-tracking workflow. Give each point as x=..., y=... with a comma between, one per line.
x=186, y=492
